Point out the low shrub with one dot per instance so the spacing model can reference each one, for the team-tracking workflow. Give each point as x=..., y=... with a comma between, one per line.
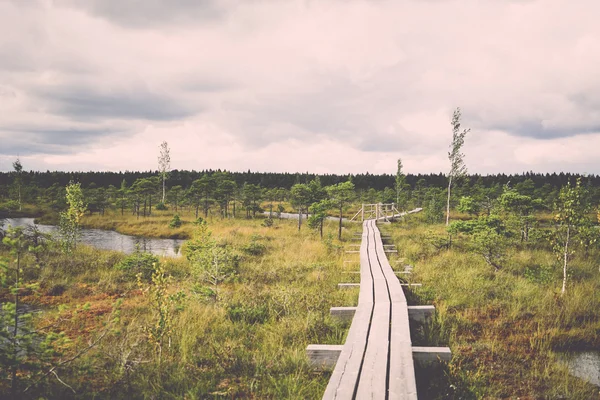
x=249, y=313
x=138, y=262
x=175, y=222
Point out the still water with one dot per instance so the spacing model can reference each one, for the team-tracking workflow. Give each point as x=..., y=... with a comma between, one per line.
x=584, y=365
x=111, y=240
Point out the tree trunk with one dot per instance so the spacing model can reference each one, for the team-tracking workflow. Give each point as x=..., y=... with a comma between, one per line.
x=163, y=198
x=448, y=203
x=340, y=228
x=321, y=229
x=565, y=258
x=299, y=218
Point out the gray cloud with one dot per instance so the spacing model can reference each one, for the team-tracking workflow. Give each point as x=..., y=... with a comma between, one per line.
x=151, y=13
x=33, y=140
x=88, y=102
x=538, y=129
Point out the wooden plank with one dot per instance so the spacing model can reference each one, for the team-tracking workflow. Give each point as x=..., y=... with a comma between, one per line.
x=323, y=356
x=343, y=313
x=424, y=355
x=365, y=295
x=345, y=375
x=382, y=317
x=415, y=313
x=420, y=313
x=348, y=285
x=402, y=382
x=372, y=383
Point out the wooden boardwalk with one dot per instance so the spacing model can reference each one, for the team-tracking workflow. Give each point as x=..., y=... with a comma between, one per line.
x=376, y=362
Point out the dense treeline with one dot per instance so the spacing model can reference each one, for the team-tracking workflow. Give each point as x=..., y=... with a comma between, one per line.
x=284, y=180
x=227, y=193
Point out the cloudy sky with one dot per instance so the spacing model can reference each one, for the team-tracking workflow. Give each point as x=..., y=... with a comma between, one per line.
x=326, y=86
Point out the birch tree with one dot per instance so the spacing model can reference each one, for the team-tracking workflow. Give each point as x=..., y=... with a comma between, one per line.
x=400, y=180
x=69, y=219
x=570, y=214
x=457, y=164
x=164, y=165
x=18, y=167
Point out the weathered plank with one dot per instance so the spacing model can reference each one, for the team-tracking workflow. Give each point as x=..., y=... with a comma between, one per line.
x=323, y=356
x=415, y=313
x=348, y=285
x=372, y=383
x=402, y=383
x=431, y=354
x=377, y=359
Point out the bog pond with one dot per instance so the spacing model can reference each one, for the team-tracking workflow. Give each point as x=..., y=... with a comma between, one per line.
x=111, y=240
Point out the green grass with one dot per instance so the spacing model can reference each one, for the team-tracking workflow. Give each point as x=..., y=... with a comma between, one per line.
x=503, y=327
x=249, y=344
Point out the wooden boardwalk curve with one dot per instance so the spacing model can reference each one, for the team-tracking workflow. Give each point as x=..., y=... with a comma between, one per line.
x=376, y=361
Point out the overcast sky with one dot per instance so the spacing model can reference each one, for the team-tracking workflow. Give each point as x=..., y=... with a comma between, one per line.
x=325, y=86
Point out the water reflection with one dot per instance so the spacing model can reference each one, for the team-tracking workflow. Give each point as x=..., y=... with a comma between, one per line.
x=111, y=240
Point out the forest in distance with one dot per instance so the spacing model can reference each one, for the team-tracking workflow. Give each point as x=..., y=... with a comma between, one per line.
x=106, y=189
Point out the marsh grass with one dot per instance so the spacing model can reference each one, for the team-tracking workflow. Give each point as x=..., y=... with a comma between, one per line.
x=248, y=344
x=502, y=327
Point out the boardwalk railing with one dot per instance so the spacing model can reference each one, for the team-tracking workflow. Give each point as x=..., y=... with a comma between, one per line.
x=376, y=362
x=380, y=212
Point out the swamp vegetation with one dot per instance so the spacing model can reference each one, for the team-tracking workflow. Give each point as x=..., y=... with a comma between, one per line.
x=231, y=318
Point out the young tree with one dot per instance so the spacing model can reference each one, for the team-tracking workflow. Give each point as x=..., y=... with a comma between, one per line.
x=570, y=214
x=164, y=165
x=318, y=214
x=69, y=219
x=457, y=164
x=122, y=202
x=252, y=196
x=400, y=181
x=18, y=167
x=24, y=351
x=488, y=238
x=300, y=199
x=340, y=195
x=210, y=263
x=469, y=205
x=521, y=207
x=175, y=194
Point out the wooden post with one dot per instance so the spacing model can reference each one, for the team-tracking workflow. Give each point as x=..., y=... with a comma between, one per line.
x=362, y=216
